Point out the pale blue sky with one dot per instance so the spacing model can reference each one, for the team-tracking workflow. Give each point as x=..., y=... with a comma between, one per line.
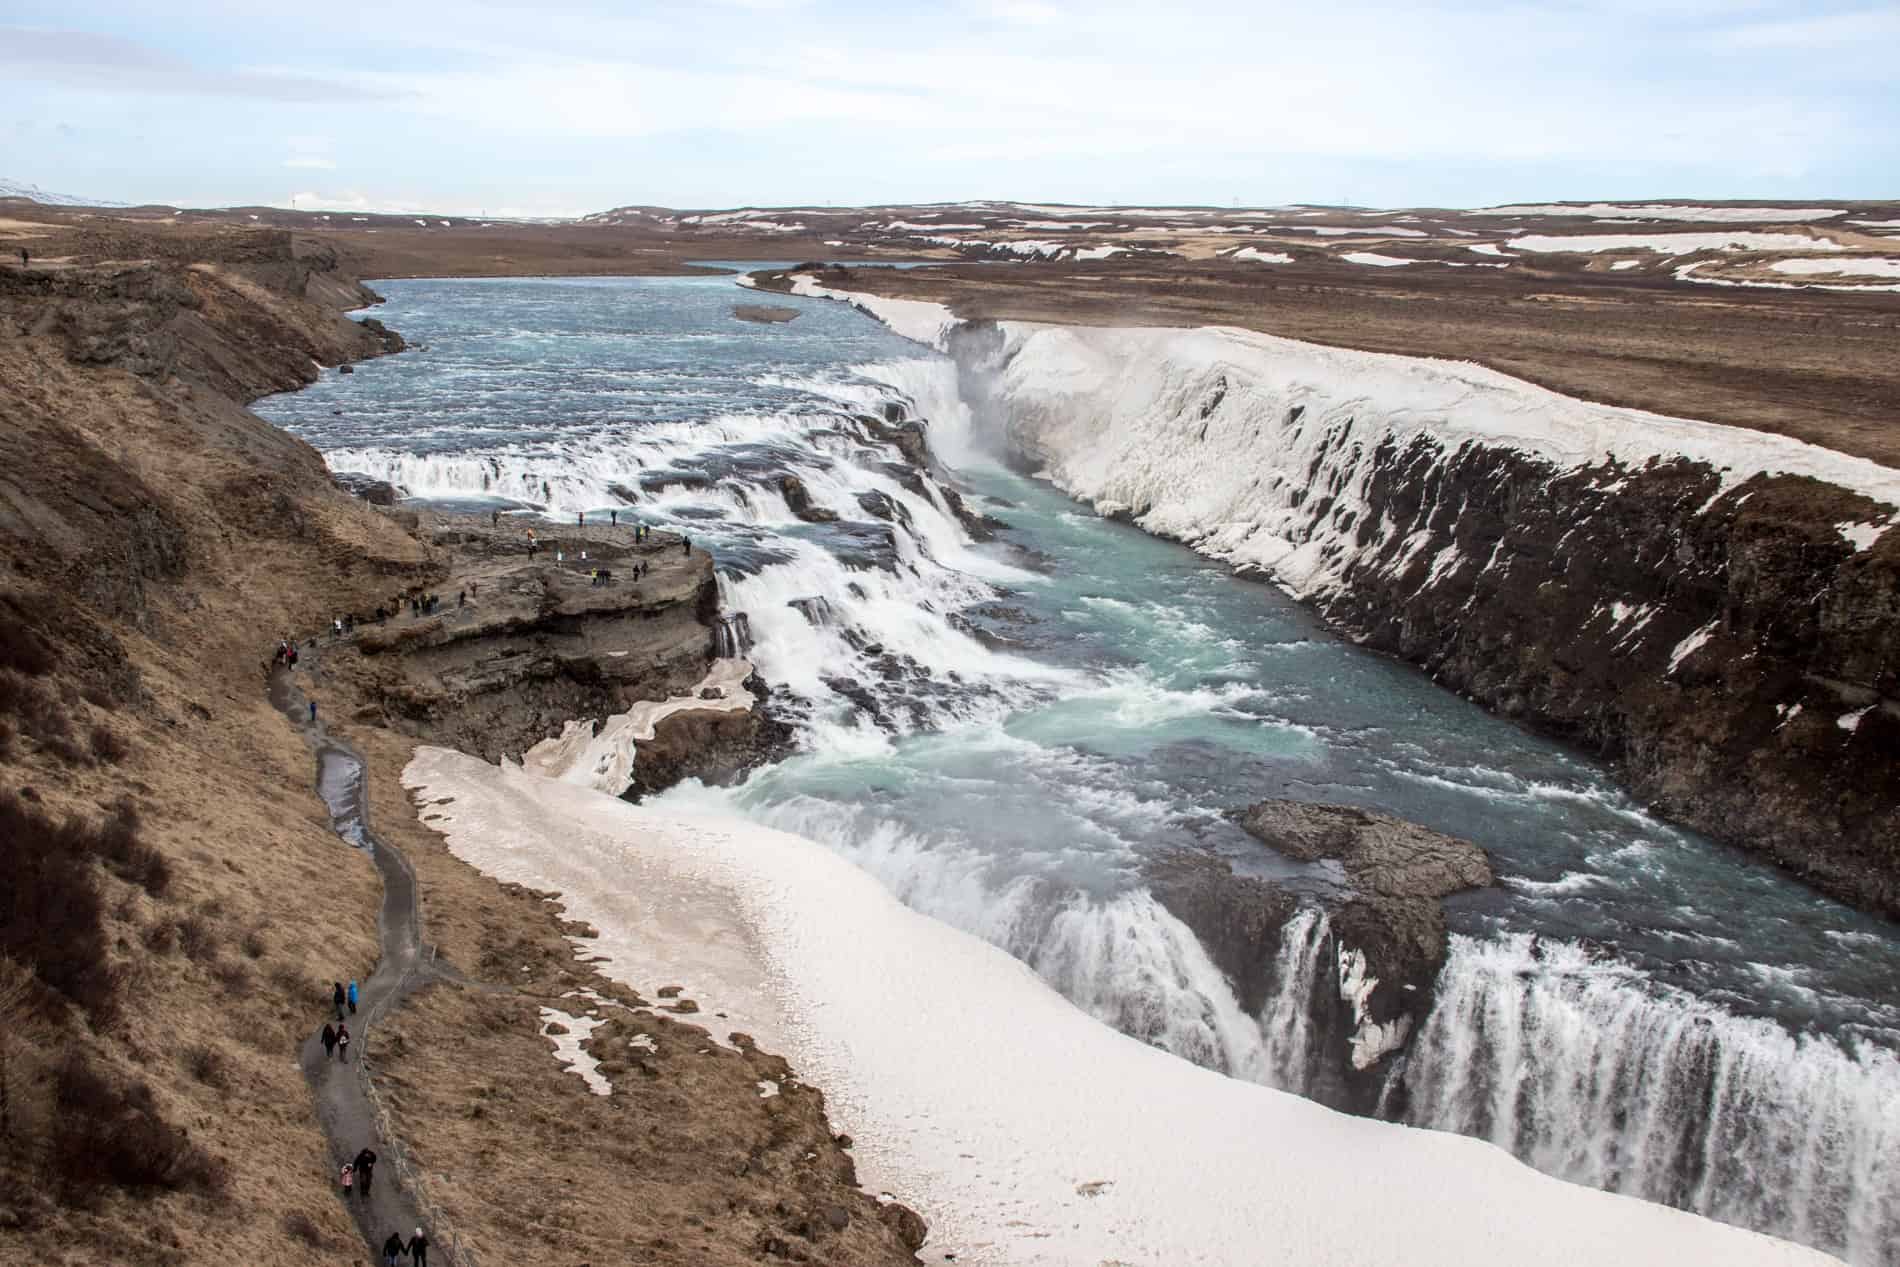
x=564, y=106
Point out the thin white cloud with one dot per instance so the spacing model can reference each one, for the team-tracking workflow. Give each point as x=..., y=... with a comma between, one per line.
x=1877, y=27
x=312, y=162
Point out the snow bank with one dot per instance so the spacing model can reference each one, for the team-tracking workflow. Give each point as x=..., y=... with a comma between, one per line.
x=1259, y=256
x=1668, y=211
x=1213, y=436
x=1026, y=1132
x=1848, y=267
x=1675, y=243
x=1376, y=260
x=604, y=761
x=914, y=319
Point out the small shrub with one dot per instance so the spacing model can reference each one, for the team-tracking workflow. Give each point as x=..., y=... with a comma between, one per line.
x=51, y=914
x=64, y=748
x=22, y=649
x=300, y=1227
x=107, y=747
x=197, y=937
x=207, y=1065
x=233, y=976
x=253, y=944
x=109, y=1133
x=161, y=936
x=292, y=986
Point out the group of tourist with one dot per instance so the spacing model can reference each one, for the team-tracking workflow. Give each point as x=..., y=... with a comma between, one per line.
x=359, y=1172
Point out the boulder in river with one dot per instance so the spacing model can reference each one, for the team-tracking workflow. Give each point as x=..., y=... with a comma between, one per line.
x=764, y=314
x=1385, y=935
x=372, y=490
x=798, y=497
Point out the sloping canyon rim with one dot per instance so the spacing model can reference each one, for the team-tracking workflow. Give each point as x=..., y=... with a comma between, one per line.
x=157, y=535
x=1798, y=620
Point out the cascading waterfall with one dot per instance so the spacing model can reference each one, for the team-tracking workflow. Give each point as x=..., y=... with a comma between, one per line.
x=1586, y=1070
x=1583, y=1067
x=1286, y=1022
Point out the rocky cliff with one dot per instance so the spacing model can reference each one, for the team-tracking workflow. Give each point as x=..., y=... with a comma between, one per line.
x=1368, y=955
x=1712, y=610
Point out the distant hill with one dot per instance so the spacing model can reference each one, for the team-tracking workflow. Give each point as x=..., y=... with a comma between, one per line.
x=17, y=189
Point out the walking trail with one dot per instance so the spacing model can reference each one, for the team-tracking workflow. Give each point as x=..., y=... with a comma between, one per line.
x=344, y=1099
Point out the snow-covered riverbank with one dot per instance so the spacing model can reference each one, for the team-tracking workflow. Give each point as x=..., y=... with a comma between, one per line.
x=1025, y=1131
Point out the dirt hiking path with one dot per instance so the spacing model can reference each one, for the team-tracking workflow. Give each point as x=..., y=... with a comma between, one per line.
x=345, y=1101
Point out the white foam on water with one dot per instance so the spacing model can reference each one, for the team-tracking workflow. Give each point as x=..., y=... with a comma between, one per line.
x=1026, y=1132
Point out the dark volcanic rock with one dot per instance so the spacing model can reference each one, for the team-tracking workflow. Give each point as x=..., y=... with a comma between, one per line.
x=764, y=314
x=1596, y=578
x=718, y=748
x=1386, y=935
x=1237, y=918
x=1398, y=871
x=372, y=490
x=798, y=497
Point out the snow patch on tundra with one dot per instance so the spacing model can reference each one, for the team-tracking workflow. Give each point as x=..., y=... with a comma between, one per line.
x=1850, y=267
x=1258, y=256
x=1669, y=211
x=1675, y=243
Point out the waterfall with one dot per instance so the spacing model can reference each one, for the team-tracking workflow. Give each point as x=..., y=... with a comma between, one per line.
x=1286, y=1021
x=733, y=638
x=1588, y=1071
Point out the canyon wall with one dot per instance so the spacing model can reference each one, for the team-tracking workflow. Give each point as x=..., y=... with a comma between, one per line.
x=1714, y=611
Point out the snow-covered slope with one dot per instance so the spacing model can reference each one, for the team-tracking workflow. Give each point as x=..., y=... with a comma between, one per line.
x=17, y=189
x=1228, y=438
x=1025, y=1131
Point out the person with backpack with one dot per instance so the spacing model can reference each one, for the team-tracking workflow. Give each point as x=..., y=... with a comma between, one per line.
x=365, y=1169
x=352, y=996
x=343, y=1043
x=336, y=998
x=347, y=1179
x=329, y=1041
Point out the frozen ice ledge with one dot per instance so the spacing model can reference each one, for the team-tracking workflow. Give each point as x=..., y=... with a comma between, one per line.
x=1713, y=610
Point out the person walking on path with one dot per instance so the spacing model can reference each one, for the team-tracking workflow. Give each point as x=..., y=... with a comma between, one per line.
x=329, y=1041
x=419, y=1249
x=352, y=996
x=337, y=998
x=365, y=1170
x=613, y=519
x=343, y=1043
x=347, y=1179
x=313, y=712
x=686, y=545
x=391, y=1248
